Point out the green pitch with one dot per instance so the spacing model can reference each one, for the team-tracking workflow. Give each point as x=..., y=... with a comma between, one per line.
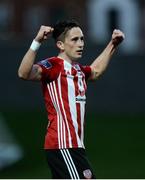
x=115, y=145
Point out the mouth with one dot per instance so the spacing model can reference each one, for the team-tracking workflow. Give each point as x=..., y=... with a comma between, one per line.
x=79, y=51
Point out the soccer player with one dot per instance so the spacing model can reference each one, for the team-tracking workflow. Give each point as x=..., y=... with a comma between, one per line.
x=64, y=86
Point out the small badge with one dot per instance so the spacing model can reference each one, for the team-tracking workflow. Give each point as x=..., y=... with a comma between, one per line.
x=87, y=174
x=46, y=64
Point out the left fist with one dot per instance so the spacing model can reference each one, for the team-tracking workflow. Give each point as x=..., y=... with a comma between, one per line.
x=117, y=37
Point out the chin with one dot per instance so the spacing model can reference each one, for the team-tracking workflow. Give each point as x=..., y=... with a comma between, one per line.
x=79, y=56
x=76, y=58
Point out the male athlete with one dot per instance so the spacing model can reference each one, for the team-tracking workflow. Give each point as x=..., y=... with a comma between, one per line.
x=64, y=86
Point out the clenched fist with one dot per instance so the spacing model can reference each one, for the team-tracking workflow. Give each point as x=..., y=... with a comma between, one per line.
x=117, y=37
x=43, y=33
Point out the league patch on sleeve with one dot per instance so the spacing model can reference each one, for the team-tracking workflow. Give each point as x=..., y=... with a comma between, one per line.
x=45, y=63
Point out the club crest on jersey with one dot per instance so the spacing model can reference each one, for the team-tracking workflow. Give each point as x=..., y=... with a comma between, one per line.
x=77, y=67
x=46, y=63
x=87, y=174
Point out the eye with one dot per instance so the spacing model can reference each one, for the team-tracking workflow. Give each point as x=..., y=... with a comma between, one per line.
x=82, y=38
x=75, y=39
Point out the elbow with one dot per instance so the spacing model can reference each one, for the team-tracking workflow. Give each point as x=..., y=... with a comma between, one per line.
x=96, y=72
x=22, y=75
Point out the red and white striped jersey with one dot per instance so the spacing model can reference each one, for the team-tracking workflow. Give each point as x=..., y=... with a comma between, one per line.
x=64, y=87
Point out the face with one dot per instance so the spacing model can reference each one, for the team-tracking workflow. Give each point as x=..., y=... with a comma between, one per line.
x=73, y=44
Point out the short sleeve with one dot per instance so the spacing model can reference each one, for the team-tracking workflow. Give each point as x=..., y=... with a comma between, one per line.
x=50, y=69
x=87, y=71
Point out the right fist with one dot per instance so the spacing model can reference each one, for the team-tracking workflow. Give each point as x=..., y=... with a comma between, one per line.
x=43, y=33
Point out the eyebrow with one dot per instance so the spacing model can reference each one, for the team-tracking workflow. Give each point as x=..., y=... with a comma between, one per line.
x=77, y=37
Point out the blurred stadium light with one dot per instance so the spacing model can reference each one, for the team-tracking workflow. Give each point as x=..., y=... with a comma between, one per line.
x=127, y=19
x=10, y=151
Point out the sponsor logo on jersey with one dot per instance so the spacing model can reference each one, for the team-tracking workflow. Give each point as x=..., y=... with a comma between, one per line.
x=46, y=63
x=87, y=174
x=80, y=99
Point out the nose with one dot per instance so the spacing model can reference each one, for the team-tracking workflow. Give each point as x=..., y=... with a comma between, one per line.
x=80, y=43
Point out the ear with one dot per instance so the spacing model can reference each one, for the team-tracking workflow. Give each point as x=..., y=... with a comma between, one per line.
x=60, y=45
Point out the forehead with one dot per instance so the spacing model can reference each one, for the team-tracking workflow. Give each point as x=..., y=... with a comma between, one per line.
x=76, y=31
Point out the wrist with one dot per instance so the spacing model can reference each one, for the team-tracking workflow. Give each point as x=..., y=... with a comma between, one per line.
x=35, y=45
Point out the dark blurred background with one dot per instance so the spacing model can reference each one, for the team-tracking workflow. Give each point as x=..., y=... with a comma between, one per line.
x=115, y=111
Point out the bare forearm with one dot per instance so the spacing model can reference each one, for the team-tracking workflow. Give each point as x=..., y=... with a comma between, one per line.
x=27, y=64
x=101, y=62
x=27, y=69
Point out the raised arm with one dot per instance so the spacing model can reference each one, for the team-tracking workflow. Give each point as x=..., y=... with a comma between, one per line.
x=27, y=69
x=101, y=62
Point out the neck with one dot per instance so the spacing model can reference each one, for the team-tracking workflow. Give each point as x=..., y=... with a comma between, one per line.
x=65, y=57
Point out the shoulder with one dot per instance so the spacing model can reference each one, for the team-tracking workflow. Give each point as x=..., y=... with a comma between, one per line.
x=50, y=62
x=51, y=68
